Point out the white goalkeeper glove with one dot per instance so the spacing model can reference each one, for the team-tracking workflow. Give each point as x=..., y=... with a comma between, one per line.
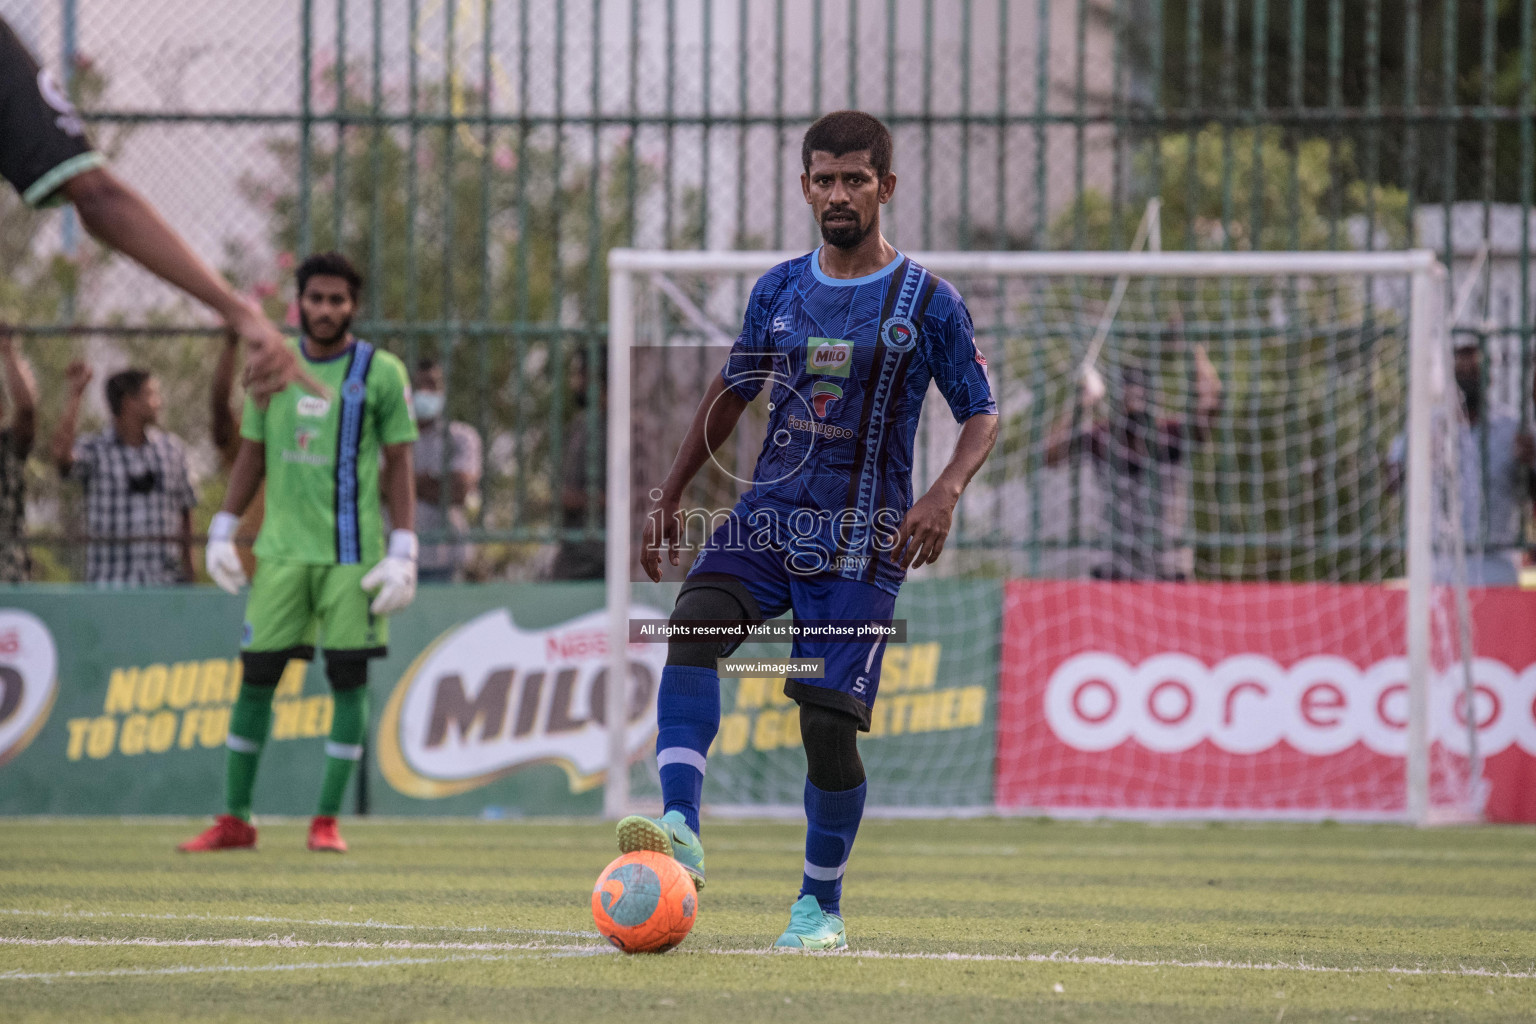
x=395, y=577
x=220, y=557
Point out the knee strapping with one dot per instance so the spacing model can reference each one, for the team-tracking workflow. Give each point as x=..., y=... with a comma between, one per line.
x=263, y=668
x=346, y=674
x=831, y=748
x=711, y=603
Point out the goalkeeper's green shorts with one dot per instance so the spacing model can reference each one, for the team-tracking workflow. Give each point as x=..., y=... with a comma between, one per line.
x=294, y=605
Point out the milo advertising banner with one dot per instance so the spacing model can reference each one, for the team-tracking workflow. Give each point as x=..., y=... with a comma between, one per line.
x=493, y=701
x=505, y=712
x=118, y=703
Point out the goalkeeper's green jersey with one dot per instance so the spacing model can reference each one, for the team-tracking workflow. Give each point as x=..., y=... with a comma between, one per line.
x=322, y=456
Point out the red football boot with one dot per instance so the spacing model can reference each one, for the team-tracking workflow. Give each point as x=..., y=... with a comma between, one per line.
x=324, y=837
x=228, y=833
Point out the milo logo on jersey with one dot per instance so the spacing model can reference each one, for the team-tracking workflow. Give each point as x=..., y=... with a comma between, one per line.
x=488, y=698
x=828, y=357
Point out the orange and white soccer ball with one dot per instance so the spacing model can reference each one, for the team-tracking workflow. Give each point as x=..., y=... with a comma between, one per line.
x=644, y=902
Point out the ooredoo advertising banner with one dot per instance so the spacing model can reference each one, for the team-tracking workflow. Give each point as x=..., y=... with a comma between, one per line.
x=1273, y=699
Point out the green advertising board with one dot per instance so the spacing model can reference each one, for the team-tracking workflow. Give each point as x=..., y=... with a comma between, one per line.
x=491, y=702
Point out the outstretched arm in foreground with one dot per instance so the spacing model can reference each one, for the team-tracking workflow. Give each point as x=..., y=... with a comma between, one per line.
x=120, y=218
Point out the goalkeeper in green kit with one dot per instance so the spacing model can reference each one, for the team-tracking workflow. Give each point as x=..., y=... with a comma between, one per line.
x=324, y=572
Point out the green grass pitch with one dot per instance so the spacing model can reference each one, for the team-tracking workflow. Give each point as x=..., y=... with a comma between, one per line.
x=949, y=921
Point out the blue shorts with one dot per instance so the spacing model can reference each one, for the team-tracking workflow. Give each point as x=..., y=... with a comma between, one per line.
x=852, y=669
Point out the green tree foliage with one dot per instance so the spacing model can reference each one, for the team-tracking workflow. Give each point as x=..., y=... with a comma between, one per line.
x=1486, y=66
x=1251, y=188
x=484, y=250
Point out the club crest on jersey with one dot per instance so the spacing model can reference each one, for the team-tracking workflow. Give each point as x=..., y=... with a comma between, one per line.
x=823, y=394
x=828, y=357
x=313, y=407
x=898, y=333
x=353, y=389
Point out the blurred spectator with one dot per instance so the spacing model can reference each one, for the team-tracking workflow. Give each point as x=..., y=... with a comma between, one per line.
x=225, y=421
x=581, y=491
x=1493, y=449
x=1131, y=448
x=138, y=489
x=15, y=445
x=442, y=511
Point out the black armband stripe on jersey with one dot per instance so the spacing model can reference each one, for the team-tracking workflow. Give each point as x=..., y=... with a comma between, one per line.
x=42, y=142
x=45, y=190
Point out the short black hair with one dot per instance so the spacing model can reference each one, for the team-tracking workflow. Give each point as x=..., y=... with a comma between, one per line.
x=123, y=386
x=848, y=131
x=330, y=264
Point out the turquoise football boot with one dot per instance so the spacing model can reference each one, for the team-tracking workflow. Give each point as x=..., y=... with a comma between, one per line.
x=810, y=927
x=668, y=834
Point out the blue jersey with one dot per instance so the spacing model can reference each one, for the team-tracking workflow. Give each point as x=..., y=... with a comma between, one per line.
x=848, y=363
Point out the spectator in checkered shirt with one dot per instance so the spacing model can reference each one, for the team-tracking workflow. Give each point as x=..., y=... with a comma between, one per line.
x=138, y=489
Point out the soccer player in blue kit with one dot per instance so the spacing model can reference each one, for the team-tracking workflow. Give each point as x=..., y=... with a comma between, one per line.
x=848, y=337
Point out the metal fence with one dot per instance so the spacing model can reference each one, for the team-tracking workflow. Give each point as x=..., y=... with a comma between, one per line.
x=479, y=157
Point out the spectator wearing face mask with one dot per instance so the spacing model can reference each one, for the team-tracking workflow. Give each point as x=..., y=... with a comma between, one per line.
x=1496, y=461
x=138, y=488
x=448, y=467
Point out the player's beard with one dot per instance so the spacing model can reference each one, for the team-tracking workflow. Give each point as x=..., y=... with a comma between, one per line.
x=847, y=235
x=324, y=342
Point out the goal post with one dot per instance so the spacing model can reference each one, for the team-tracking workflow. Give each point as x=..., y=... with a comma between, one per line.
x=672, y=300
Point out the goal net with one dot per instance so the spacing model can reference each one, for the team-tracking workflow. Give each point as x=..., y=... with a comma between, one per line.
x=1216, y=565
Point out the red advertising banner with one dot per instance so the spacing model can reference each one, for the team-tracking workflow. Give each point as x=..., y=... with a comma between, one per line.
x=1288, y=700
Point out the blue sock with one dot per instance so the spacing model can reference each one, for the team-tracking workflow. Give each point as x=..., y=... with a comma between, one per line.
x=688, y=716
x=831, y=822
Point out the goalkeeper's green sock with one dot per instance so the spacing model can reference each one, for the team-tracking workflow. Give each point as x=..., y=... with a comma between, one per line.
x=349, y=723
x=249, y=721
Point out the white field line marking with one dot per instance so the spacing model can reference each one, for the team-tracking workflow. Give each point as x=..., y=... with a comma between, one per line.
x=130, y=972
x=1113, y=961
x=255, y=919
x=554, y=950
x=289, y=942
